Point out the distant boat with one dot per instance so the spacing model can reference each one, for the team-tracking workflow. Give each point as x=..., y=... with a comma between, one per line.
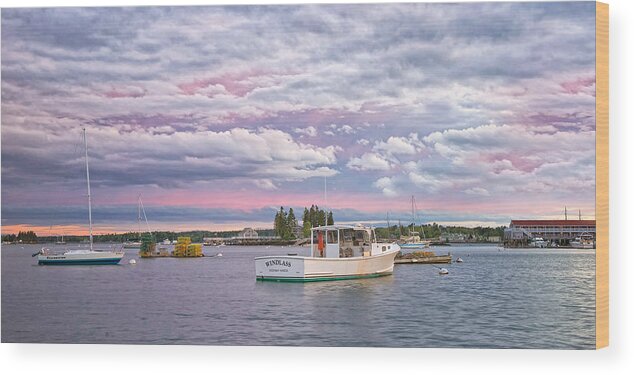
x=166, y=241
x=132, y=245
x=539, y=242
x=129, y=244
x=88, y=256
x=413, y=241
x=584, y=241
x=341, y=252
x=61, y=242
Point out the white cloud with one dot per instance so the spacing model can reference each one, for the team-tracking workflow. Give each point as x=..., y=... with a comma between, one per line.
x=369, y=162
x=387, y=186
x=478, y=191
x=410, y=145
x=309, y=131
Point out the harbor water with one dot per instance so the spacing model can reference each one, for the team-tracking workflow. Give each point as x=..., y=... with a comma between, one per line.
x=496, y=298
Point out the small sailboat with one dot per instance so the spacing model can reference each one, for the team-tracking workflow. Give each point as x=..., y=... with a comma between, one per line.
x=60, y=242
x=413, y=241
x=81, y=256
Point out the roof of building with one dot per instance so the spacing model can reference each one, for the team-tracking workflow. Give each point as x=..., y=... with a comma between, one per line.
x=556, y=223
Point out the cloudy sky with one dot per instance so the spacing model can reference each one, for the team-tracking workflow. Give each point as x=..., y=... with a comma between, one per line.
x=217, y=115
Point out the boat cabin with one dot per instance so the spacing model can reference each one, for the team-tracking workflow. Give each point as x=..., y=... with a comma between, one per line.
x=346, y=241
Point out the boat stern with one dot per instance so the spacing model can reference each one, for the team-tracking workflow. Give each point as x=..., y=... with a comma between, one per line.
x=279, y=267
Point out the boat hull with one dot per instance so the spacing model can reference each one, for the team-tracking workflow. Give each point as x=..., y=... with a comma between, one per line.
x=308, y=269
x=95, y=258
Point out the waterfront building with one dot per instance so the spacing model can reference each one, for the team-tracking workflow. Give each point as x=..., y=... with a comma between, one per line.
x=248, y=233
x=556, y=232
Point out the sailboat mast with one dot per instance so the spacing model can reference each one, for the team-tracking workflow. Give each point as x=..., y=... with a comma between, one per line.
x=88, y=183
x=139, y=215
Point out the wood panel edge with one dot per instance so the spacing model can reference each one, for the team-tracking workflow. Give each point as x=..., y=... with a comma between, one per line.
x=602, y=176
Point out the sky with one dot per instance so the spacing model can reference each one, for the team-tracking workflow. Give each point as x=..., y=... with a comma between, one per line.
x=219, y=115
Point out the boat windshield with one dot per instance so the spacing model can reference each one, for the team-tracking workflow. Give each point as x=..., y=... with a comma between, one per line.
x=342, y=242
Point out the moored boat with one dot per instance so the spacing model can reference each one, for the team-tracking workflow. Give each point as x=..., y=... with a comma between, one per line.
x=584, y=241
x=79, y=257
x=338, y=252
x=82, y=256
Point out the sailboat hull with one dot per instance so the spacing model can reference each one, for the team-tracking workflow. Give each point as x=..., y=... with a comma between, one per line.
x=88, y=258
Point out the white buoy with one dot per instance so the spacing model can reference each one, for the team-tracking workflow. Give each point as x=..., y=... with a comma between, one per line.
x=459, y=260
x=443, y=271
x=219, y=255
x=132, y=261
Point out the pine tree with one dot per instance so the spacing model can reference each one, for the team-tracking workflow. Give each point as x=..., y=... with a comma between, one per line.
x=331, y=219
x=291, y=223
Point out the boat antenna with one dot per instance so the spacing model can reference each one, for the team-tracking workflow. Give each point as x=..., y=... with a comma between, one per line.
x=565, y=213
x=579, y=214
x=88, y=183
x=325, y=192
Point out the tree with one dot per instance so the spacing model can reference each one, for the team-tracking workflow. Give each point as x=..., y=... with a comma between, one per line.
x=27, y=237
x=306, y=228
x=291, y=224
x=331, y=219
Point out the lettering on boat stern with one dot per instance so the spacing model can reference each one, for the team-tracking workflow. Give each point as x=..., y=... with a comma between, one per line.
x=278, y=262
x=278, y=265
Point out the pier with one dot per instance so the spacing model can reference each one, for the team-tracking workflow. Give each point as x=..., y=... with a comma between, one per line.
x=560, y=232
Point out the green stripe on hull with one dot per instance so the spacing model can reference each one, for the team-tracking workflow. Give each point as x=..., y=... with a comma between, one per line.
x=324, y=278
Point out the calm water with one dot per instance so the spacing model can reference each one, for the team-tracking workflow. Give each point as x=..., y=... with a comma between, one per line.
x=502, y=299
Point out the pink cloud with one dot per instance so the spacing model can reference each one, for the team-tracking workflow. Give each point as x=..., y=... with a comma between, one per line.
x=126, y=92
x=519, y=162
x=235, y=83
x=578, y=85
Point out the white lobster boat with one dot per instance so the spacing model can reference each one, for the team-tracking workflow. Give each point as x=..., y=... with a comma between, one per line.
x=338, y=252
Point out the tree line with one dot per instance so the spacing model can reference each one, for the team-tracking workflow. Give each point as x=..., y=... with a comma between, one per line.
x=285, y=224
x=435, y=230
x=23, y=237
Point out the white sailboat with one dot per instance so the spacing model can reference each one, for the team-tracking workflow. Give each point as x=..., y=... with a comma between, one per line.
x=413, y=241
x=81, y=256
x=136, y=244
x=338, y=252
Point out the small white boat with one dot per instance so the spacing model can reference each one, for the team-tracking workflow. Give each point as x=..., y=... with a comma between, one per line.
x=443, y=271
x=338, y=252
x=88, y=256
x=539, y=242
x=584, y=241
x=166, y=242
x=132, y=245
x=459, y=260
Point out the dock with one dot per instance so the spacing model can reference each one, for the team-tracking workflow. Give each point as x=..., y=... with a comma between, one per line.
x=422, y=257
